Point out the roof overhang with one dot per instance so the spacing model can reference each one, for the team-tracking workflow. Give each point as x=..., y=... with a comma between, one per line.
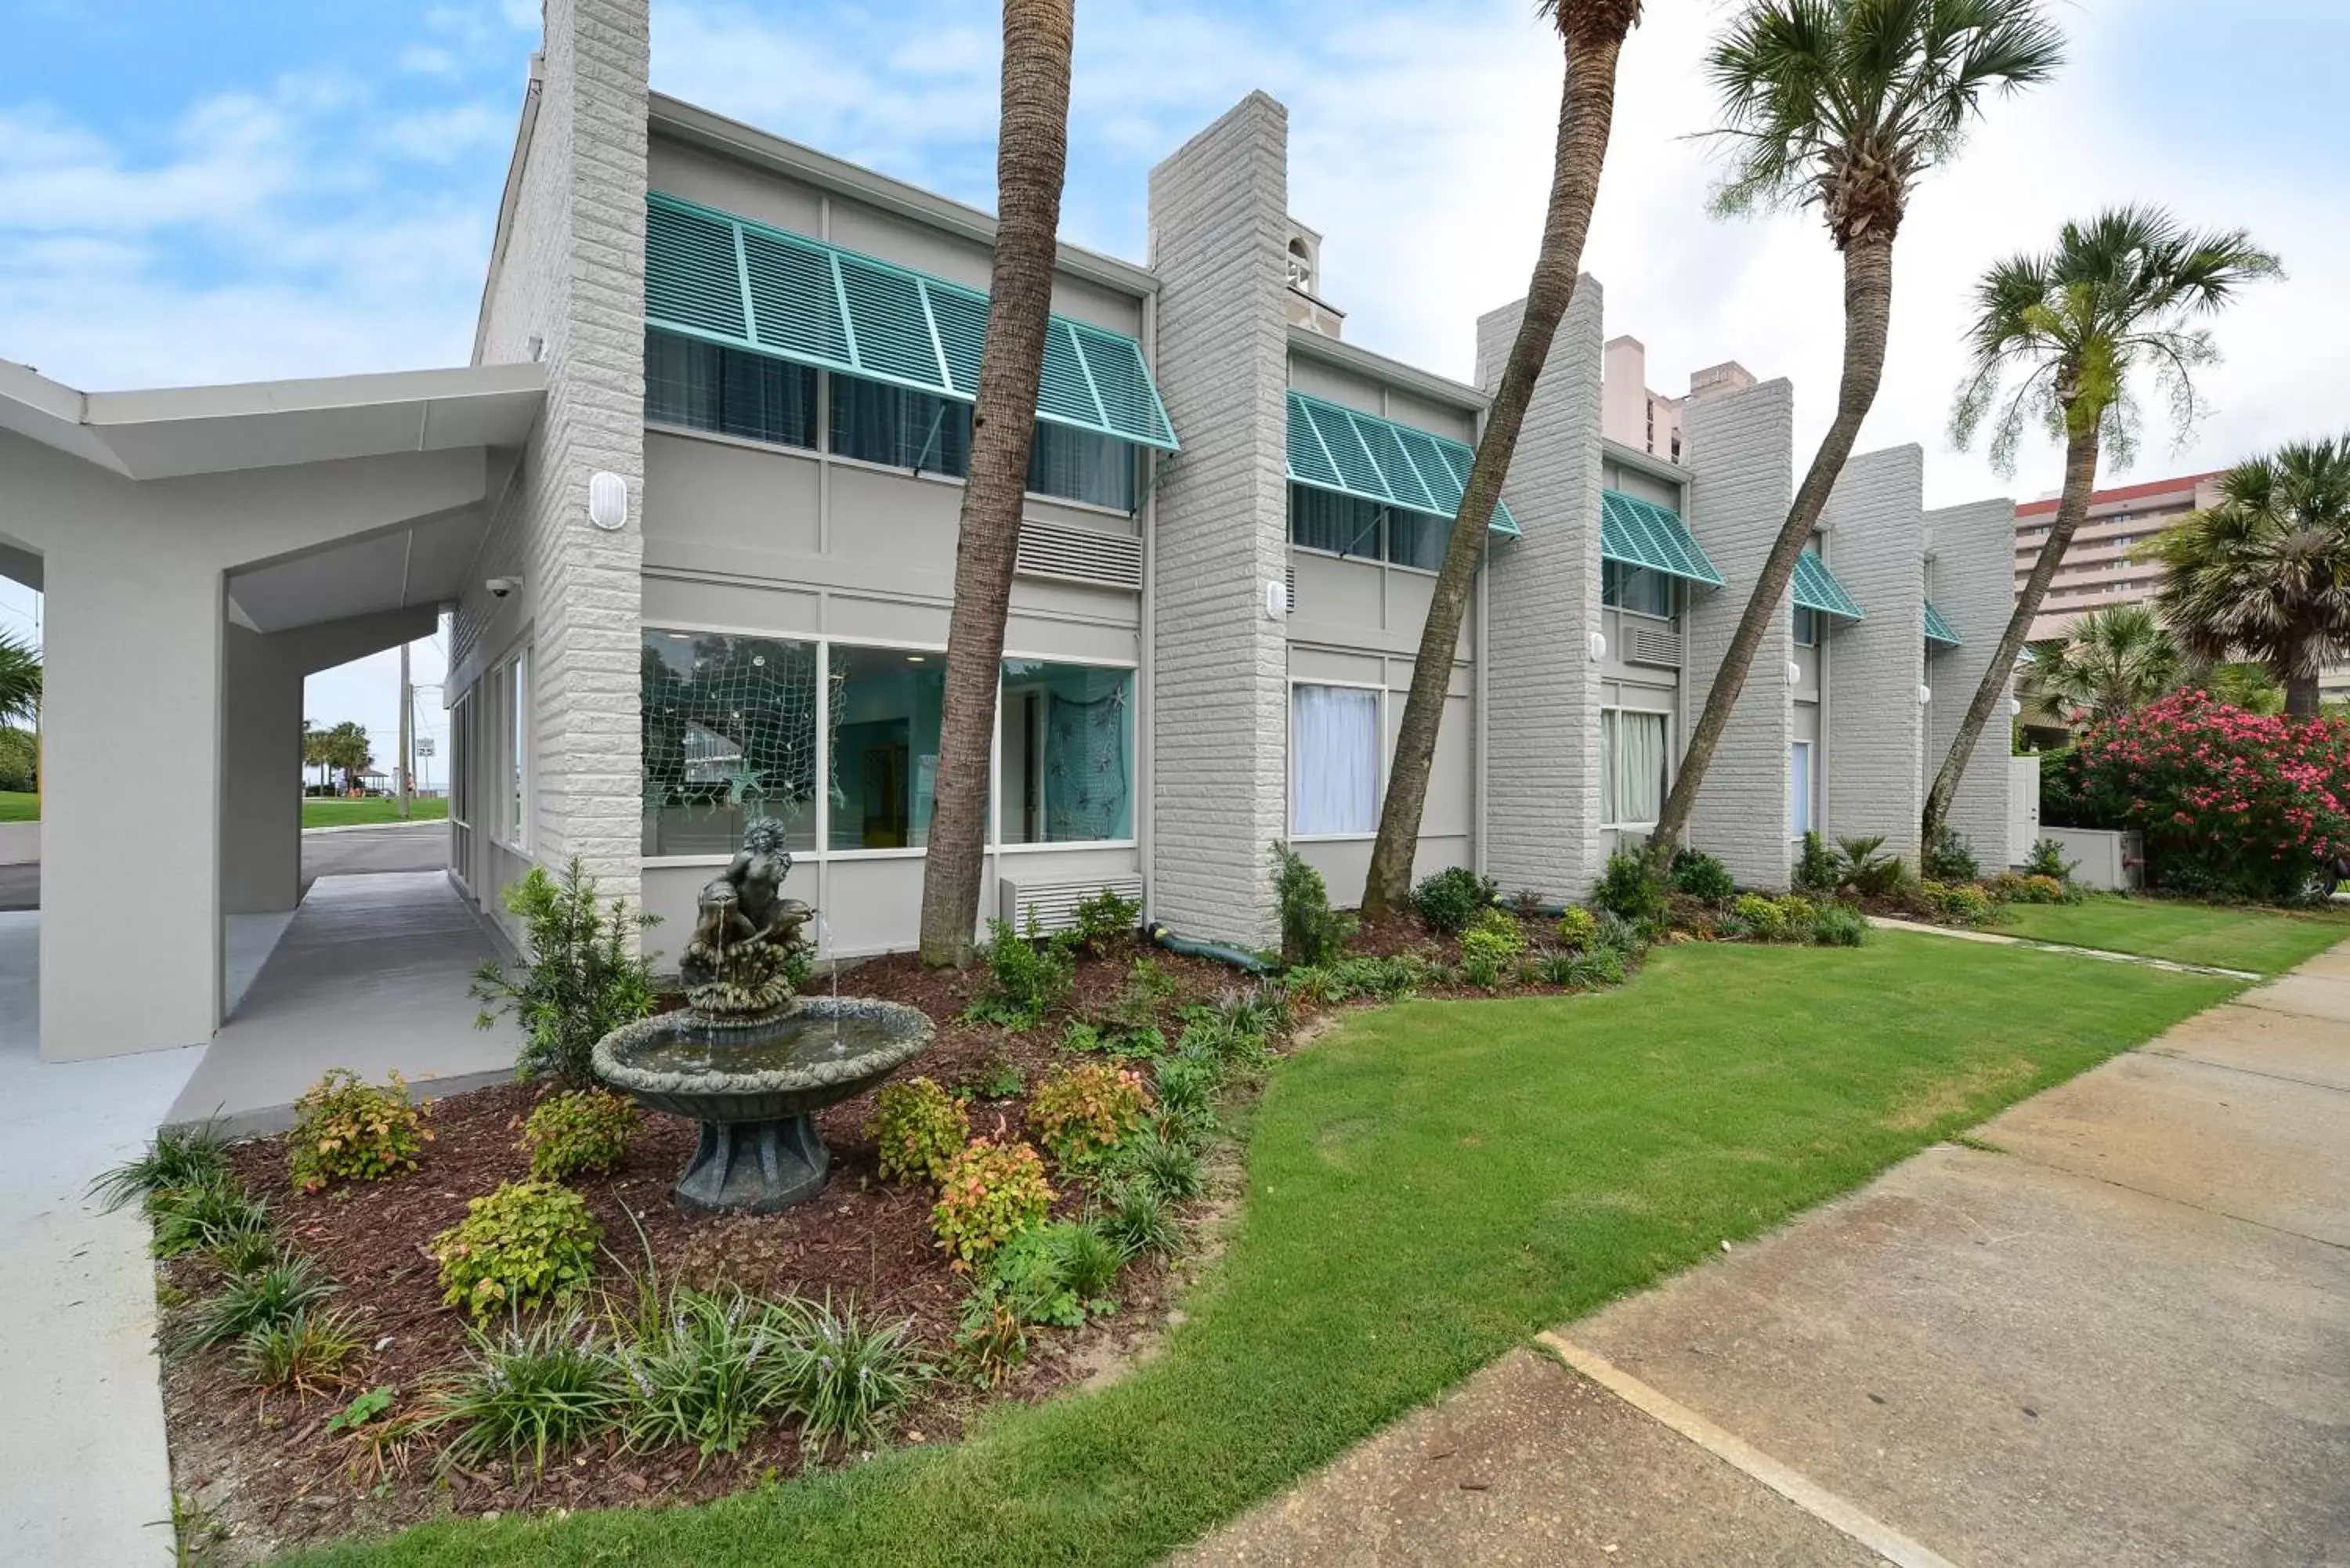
x=171, y=433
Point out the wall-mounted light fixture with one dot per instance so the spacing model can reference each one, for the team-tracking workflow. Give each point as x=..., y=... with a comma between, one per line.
x=1597, y=643
x=1925, y=695
x=608, y=500
x=1794, y=673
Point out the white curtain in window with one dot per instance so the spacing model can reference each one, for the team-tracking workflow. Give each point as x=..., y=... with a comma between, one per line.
x=1334, y=760
x=1632, y=766
x=1799, y=789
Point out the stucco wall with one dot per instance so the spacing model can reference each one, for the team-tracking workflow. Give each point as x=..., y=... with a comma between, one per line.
x=1740, y=448
x=1971, y=579
x=1873, y=533
x=1542, y=776
x=1219, y=713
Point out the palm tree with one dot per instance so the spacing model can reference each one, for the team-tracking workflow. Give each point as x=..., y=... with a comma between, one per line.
x=1031, y=156
x=2265, y=574
x=20, y=680
x=2111, y=661
x=1843, y=105
x=1593, y=32
x=2241, y=683
x=2119, y=293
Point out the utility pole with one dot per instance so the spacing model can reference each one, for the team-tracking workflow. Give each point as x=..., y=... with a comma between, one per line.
x=406, y=736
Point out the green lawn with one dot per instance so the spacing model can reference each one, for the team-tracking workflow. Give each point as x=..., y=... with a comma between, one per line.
x=2266, y=941
x=1428, y=1187
x=19, y=806
x=323, y=811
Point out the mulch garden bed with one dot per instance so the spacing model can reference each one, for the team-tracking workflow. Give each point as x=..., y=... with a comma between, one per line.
x=267, y=1467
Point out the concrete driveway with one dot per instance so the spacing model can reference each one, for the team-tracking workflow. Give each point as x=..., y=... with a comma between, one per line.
x=2119, y=1335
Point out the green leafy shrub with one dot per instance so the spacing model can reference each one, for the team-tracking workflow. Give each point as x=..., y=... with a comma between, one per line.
x=1817, y=868
x=1576, y=926
x=180, y=1158
x=1699, y=876
x=1311, y=932
x=999, y=1078
x=1760, y=915
x=1958, y=903
x=348, y=1130
x=848, y=1376
x=2047, y=859
x=305, y=1352
x=263, y=1299
x=2040, y=890
x=1054, y=1275
x=1165, y=1160
x=1949, y=857
x=584, y=1130
x=1107, y=922
x=585, y=978
x=1494, y=935
x=990, y=1193
x=919, y=1129
x=1863, y=869
x=706, y=1368
x=1629, y=890
x=243, y=1252
x=541, y=1390
x=528, y=1243
x=2007, y=886
x=210, y=1216
x=1839, y=926
x=1084, y=1113
x=1450, y=898
x=1028, y=976
x=1186, y=1084
x=1134, y=1215
x=20, y=760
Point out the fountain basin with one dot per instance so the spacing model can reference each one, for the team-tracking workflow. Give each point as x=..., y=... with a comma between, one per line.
x=754, y=1085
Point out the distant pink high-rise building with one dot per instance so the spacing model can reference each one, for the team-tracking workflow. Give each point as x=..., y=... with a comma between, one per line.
x=2098, y=570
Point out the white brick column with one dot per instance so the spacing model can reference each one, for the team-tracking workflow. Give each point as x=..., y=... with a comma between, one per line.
x=1971, y=576
x=1219, y=718
x=1740, y=448
x=1874, y=529
x=1542, y=700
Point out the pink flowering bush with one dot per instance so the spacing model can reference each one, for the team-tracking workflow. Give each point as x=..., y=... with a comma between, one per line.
x=2231, y=802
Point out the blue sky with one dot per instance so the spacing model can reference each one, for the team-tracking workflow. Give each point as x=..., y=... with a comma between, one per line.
x=310, y=190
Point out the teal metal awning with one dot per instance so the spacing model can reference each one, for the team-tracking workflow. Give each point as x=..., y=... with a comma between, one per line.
x=1371, y=459
x=1639, y=533
x=1939, y=627
x=1816, y=588
x=725, y=279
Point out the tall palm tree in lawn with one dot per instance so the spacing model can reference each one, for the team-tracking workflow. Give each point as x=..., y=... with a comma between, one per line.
x=1031, y=155
x=2120, y=293
x=2265, y=573
x=1593, y=32
x=20, y=680
x=1843, y=105
x=2113, y=659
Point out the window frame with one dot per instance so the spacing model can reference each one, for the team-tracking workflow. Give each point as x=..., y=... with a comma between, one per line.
x=1608, y=716
x=511, y=713
x=824, y=644
x=1384, y=556
x=1381, y=759
x=1809, y=797
x=1672, y=592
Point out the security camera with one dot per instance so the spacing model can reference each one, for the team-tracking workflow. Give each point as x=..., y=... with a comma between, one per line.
x=501, y=586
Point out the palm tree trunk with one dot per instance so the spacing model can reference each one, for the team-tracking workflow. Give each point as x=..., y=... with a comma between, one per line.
x=1586, y=114
x=2300, y=696
x=1868, y=312
x=2080, y=483
x=1030, y=158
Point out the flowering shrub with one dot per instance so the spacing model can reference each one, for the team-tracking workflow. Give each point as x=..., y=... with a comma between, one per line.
x=346, y=1129
x=919, y=1128
x=1084, y=1113
x=990, y=1193
x=2230, y=802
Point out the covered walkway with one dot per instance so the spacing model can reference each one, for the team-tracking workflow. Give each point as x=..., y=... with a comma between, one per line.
x=371, y=974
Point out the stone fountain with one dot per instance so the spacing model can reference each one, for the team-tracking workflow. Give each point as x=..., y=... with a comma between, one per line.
x=746, y=1057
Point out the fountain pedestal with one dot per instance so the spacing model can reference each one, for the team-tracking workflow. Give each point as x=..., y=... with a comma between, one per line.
x=756, y=1167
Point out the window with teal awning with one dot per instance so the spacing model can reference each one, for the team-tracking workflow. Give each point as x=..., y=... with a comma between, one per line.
x=1939, y=627
x=1816, y=588
x=728, y=280
x=1637, y=532
x=1337, y=449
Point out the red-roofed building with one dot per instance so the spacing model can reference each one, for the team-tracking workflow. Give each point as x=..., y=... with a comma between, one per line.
x=2098, y=570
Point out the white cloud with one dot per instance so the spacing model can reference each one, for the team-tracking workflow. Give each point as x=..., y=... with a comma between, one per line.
x=447, y=135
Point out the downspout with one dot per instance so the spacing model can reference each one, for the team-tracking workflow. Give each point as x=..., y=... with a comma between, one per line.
x=1146, y=685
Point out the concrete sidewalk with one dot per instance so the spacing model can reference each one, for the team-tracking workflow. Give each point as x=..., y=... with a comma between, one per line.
x=2124, y=1338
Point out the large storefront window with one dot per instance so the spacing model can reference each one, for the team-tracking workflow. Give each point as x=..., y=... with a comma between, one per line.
x=1067, y=748
x=704, y=387
x=1334, y=760
x=730, y=735
x=885, y=746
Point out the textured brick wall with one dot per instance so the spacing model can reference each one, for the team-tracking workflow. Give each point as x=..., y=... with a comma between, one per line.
x=1542, y=776
x=1219, y=678
x=1740, y=451
x=573, y=276
x=1874, y=538
x=1973, y=582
